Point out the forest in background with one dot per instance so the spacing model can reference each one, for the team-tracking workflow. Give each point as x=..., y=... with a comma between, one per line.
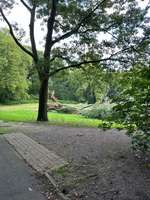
x=19, y=80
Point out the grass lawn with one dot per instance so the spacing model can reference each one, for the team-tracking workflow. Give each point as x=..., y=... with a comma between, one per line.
x=28, y=113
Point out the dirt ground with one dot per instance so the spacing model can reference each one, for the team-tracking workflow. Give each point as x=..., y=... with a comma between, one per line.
x=101, y=166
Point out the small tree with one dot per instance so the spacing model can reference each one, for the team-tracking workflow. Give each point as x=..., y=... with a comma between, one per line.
x=84, y=23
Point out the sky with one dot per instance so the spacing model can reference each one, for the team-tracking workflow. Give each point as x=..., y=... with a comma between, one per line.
x=21, y=15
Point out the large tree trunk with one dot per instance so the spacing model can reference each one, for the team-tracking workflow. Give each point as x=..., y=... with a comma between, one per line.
x=43, y=97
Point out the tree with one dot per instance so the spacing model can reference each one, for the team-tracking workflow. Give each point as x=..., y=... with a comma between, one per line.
x=13, y=83
x=80, y=85
x=65, y=85
x=82, y=24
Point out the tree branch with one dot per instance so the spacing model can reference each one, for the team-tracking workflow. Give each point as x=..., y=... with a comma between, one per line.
x=82, y=22
x=78, y=65
x=23, y=2
x=50, y=25
x=13, y=35
x=105, y=30
x=32, y=39
x=110, y=58
x=61, y=57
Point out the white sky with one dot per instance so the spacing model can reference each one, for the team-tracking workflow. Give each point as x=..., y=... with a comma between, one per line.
x=20, y=15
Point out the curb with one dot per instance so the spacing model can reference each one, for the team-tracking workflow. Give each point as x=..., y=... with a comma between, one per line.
x=53, y=182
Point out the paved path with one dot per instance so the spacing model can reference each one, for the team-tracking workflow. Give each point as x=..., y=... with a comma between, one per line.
x=101, y=166
x=16, y=178
x=40, y=158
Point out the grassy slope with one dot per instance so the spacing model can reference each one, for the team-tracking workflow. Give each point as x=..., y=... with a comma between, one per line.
x=28, y=113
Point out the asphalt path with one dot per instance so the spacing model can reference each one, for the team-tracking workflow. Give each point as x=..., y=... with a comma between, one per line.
x=17, y=180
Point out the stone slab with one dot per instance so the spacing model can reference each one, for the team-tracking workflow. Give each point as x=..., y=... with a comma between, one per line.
x=36, y=155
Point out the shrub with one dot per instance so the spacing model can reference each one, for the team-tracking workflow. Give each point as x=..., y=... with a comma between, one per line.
x=133, y=107
x=105, y=125
x=140, y=141
x=98, y=111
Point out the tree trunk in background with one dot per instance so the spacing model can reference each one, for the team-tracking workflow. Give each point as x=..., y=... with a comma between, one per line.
x=43, y=97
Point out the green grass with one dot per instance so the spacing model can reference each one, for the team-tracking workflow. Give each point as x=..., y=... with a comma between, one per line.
x=28, y=113
x=62, y=170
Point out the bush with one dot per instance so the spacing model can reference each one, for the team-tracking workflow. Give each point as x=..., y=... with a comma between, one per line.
x=133, y=107
x=140, y=141
x=98, y=111
x=27, y=101
x=105, y=125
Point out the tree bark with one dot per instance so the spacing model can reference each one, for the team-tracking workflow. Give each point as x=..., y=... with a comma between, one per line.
x=43, y=97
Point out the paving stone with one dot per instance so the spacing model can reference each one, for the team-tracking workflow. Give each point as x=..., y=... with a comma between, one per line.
x=36, y=155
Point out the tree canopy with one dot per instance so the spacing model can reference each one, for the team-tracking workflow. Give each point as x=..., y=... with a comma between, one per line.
x=13, y=70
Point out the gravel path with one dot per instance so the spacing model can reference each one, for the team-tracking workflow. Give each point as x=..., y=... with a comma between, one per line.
x=102, y=165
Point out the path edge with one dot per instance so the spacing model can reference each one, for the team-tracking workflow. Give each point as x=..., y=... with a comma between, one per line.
x=53, y=182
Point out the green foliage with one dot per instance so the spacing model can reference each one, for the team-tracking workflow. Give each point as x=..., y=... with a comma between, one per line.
x=133, y=106
x=120, y=20
x=66, y=86
x=21, y=101
x=98, y=111
x=141, y=141
x=105, y=125
x=80, y=86
x=89, y=95
x=33, y=82
x=13, y=70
